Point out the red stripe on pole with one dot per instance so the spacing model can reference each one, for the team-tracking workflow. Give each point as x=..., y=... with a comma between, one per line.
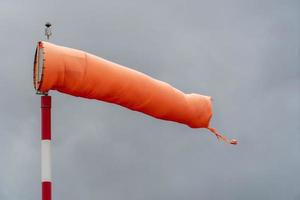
x=46, y=117
x=46, y=190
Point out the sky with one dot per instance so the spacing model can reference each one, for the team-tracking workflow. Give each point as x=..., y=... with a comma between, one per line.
x=245, y=54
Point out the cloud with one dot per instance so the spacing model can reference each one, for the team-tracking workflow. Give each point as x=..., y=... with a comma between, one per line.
x=244, y=54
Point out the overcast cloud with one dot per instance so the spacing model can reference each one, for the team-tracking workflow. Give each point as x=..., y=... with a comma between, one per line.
x=246, y=54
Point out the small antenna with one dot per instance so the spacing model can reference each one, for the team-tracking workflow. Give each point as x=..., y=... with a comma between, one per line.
x=48, y=31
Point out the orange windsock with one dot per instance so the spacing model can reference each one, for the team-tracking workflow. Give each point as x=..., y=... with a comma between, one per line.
x=84, y=75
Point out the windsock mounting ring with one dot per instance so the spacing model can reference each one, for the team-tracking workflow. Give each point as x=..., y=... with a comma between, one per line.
x=38, y=68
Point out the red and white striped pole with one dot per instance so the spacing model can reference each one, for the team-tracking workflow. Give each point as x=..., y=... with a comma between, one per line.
x=46, y=146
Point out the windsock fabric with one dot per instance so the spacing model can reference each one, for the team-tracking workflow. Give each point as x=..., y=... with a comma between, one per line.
x=84, y=75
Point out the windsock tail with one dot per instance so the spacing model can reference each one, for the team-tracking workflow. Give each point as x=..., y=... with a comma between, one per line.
x=222, y=137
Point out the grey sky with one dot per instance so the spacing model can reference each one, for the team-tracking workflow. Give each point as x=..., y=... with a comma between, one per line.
x=246, y=54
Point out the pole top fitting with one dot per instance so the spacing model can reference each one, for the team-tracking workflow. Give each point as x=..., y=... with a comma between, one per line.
x=48, y=31
x=48, y=24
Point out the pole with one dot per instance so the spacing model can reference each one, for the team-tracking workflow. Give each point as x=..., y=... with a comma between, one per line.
x=46, y=147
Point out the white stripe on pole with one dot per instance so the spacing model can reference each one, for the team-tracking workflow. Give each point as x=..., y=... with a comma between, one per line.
x=46, y=160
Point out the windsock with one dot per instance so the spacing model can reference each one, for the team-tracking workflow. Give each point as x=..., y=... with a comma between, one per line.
x=84, y=75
